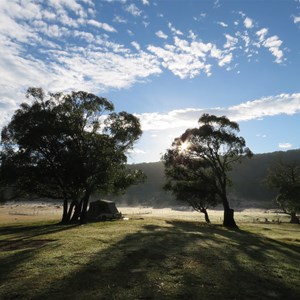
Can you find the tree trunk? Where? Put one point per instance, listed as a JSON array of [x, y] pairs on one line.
[[64, 219], [71, 208], [207, 220], [228, 220], [85, 202], [67, 213], [294, 218], [77, 211]]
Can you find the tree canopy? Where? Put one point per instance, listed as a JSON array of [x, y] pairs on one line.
[[202, 158], [189, 179], [285, 179], [69, 146]]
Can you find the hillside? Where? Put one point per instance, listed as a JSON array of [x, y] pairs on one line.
[[247, 190]]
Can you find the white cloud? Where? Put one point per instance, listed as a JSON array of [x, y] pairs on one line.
[[230, 41], [84, 35], [268, 106], [111, 1], [98, 64], [174, 30], [296, 19], [78, 69], [217, 4], [182, 58], [70, 4], [105, 70], [225, 60], [146, 24], [288, 104], [262, 34], [133, 9], [145, 2], [192, 35], [136, 151], [136, 45], [200, 17], [130, 32], [248, 23], [273, 44], [261, 135], [285, 145], [57, 64], [161, 35], [174, 119], [188, 59], [119, 19], [222, 24], [103, 26]]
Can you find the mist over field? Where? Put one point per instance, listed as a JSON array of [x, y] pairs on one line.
[[248, 189]]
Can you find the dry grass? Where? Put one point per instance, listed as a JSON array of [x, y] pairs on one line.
[[20, 212]]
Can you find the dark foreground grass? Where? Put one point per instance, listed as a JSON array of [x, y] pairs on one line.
[[149, 259]]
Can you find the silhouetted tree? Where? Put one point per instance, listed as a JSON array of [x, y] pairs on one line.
[[285, 179], [69, 146], [189, 179], [216, 147]]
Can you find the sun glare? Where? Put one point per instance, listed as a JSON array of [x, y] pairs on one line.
[[184, 146]]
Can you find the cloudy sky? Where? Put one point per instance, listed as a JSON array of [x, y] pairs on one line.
[[167, 61]]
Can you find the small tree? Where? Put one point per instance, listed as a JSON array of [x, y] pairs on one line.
[[189, 179], [69, 146], [285, 179], [213, 147]]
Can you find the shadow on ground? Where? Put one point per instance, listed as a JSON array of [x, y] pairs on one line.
[[184, 260]]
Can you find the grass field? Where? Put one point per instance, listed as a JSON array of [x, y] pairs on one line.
[[148, 257]]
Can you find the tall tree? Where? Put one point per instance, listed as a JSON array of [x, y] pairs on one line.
[[216, 147], [285, 179], [69, 146]]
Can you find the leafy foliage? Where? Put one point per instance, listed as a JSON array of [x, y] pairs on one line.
[[189, 179], [285, 178], [200, 159], [68, 146]]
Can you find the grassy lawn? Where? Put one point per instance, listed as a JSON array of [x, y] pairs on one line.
[[150, 258]]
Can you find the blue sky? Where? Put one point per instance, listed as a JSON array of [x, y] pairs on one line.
[[167, 61]]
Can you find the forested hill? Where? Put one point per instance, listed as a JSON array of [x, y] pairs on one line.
[[247, 189]]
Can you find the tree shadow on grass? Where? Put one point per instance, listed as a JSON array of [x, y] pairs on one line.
[[185, 260], [20, 244], [30, 231]]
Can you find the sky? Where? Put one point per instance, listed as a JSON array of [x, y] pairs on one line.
[[166, 61]]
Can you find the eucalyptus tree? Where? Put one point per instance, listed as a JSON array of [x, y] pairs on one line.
[[68, 146], [189, 179], [285, 179], [210, 150]]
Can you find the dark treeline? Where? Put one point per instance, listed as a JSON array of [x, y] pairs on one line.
[[247, 190]]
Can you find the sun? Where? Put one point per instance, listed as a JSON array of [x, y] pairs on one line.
[[184, 146]]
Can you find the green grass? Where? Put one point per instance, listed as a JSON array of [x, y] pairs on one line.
[[149, 259]]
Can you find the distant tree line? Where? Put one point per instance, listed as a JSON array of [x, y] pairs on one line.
[[249, 188]]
